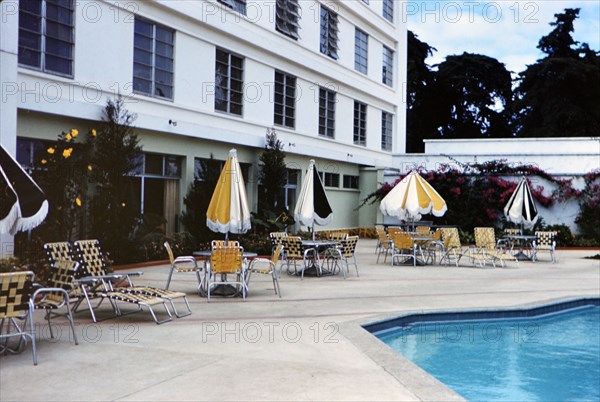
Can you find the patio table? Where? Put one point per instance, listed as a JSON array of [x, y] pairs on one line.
[[221, 290], [316, 266], [525, 242]]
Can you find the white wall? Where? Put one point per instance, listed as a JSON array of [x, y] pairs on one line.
[[562, 157]]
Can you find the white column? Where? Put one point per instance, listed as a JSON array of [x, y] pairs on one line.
[[9, 41]]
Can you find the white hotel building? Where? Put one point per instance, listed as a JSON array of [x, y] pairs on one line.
[[204, 76]]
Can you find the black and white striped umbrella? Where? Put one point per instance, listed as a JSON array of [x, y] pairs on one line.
[[520, 208], [313, 205], [23, 205]]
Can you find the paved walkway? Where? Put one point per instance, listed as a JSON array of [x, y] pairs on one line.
[[305, 346]]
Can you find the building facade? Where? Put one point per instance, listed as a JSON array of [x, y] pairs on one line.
[[207, 76]]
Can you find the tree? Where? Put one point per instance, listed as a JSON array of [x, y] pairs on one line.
[[62, 171], [472, 92], [420, 80], [559, 94], [273, 172], [115, 156], [198, 197], [272, 214]]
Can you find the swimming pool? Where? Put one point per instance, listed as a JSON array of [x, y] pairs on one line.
[[547, 353]]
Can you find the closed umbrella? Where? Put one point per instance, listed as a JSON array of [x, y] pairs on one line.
[[411, 198], [23, 205], [520, 208], [313, 205], [228, 210]]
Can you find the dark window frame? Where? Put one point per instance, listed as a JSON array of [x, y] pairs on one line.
[[388, 10], [361, 51], [327, 101], [159, 61], [360, 123], [387, 130], [330, 179], [235, 5], [52, 26], [329, 33], [284, 102], [287, 17], [387, 66], [229, 96], [351, 182]]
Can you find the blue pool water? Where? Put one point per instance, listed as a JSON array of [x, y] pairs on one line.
[[550, 358]]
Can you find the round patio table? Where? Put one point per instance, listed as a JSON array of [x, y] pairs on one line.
[[222, 290]]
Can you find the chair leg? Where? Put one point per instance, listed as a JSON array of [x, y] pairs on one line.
[[32, 333], [70, 317], [169, 278], [276, 283]]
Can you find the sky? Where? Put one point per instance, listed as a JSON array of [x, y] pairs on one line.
[[506, 30]]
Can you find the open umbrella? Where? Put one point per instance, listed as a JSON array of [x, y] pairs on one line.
[[23, 205], [228, 210], [313, 205], [411, 198], [520, 208]]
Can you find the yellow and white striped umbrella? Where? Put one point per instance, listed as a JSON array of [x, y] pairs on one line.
[[411, 198], [228, 210]]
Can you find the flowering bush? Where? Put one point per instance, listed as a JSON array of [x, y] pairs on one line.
[[477, 194], [588, 218]]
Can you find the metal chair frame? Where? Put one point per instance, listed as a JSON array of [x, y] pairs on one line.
[[270, 270], [16, 309], [184, 263]]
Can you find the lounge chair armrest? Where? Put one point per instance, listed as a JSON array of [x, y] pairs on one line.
[[256, 261], [184, 258], [49, 290]]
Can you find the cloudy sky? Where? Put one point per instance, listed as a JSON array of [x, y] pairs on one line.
[[506, 30]]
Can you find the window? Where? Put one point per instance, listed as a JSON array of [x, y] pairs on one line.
[[350, 181], [229, 80], [330, 179], [30, 152], [159, 165], [285, 100], [153, 59], [386, 131], [46, 35], [388, 10], [326, 112], [237, 5], [360, 123], [329, 33], [287, 14], [361, 51], [205, 168], [388, 67]]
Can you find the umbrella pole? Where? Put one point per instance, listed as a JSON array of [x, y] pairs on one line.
[[313, 231]]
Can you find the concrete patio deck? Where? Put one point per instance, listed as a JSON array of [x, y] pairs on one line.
[[305, 346]]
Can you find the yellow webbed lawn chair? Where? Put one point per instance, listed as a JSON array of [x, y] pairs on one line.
[[183, 263], [487, 250], [223, 261], [267, 267], [16, 308], [384, 243], [294, 252], [338, 236], [120, 288], [57, 293], [452, 248], [545, 241], [404, 247], [343, 255]]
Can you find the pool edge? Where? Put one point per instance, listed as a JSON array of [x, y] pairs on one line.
[[423, 385]]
